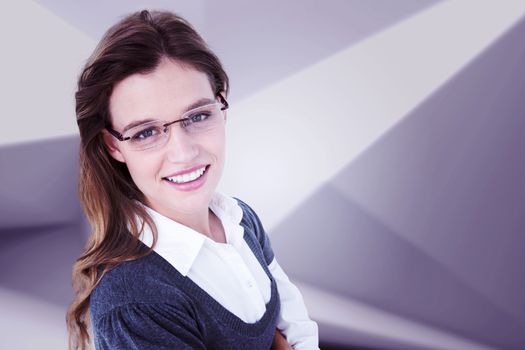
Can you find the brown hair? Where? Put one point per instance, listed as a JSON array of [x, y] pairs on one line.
[[108, 195]]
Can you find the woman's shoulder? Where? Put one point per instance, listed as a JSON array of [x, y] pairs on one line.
[[135, 282], [254, 227], [249, 217]]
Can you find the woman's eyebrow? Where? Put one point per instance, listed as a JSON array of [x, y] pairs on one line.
[[136, 123], [200, 102]]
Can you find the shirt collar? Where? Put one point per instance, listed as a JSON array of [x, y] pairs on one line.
[[180, 245]]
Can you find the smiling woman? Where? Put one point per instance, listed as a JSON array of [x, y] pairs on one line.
[[171, 263]]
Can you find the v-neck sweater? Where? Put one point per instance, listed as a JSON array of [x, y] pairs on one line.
[[148, 304]]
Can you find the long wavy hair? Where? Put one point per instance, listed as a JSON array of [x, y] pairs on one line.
[[108, 195]]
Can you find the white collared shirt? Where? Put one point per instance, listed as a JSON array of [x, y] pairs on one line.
[[231, 273]]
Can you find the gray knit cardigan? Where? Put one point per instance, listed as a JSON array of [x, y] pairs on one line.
[[147, 304]]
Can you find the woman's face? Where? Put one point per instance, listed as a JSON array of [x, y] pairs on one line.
[[165, 94]]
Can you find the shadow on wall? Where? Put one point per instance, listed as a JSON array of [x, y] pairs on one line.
[[41, 223], [42, 230]]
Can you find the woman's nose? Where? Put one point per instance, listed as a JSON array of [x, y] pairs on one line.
[[181, 147]]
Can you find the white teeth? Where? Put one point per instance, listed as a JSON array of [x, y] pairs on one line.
[[187, 177]]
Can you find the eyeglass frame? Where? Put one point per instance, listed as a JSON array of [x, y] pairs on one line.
[[120, 137]]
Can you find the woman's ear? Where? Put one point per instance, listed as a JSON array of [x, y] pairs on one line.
[[111, 144]]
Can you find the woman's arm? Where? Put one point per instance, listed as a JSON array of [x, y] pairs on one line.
[[279, 342], [301, 332]]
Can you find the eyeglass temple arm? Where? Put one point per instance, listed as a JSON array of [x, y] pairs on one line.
[[223, 101], [115, 133]]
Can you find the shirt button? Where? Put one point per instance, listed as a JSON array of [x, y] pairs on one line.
[[250, 284]]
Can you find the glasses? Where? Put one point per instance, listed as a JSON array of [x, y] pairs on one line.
[[156, 133]]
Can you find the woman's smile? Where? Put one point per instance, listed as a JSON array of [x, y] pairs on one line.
[[189, 181], [186, 175]]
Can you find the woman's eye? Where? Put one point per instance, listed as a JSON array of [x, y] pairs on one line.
[[195, 119], [144, 134], [199, 117]]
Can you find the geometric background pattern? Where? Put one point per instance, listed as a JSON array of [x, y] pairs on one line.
[[380, 143]]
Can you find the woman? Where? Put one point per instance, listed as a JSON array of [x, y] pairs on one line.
[[171, 263]]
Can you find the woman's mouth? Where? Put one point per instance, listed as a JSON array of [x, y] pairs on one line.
[[189, 181]]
